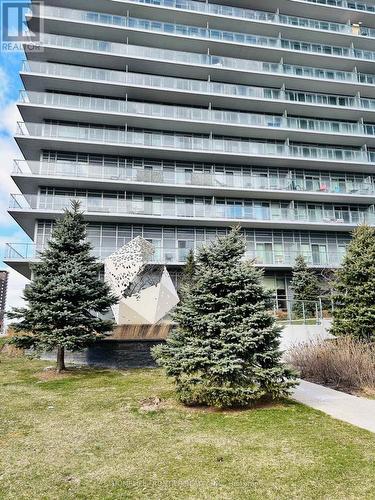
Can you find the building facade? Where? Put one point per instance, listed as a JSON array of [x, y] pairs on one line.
[[175, 119]]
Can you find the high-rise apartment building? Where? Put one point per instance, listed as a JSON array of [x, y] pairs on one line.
[[3, 297], [175, 119]]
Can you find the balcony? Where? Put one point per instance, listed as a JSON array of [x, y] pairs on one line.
[[344, 4], [79, 78], [226, 12], [337, 11], [226, 42], [329, 10], [166, 117], [179, 63], [19, 255], [303, 186], [241, 14], [32, 137], [197, 211]]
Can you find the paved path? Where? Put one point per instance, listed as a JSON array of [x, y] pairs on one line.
[[352, 409]]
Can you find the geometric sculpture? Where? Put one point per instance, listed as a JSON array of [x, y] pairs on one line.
[[123, 265], [146, 293]]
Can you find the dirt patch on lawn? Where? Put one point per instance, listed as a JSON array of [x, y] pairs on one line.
[[51, 374], [154, 404]]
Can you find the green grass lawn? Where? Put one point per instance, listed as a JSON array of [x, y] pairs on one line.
[[99, 435]]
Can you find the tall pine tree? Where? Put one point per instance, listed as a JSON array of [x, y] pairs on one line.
[[65, 294], [225, 349], [306, 289], [354, 288]]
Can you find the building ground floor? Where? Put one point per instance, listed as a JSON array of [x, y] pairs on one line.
[[273, 250]]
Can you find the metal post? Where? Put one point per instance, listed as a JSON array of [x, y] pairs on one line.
[[289, 311], [303, 312], [321, 308]]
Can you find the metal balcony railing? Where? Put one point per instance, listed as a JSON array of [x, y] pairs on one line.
[[196, 59], [31, 251], [181, 113], [232, 180], [230, 211], [208, 34], [199, 143], [306, 312], [167, 83]]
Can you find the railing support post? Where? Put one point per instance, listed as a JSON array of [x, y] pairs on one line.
[[303, 312], [289, 307], [320, 309]]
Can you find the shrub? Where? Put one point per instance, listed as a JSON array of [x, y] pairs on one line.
[[6, 347], [281, 315], [343, 363]]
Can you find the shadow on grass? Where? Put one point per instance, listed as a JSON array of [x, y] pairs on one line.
[[75, 378]]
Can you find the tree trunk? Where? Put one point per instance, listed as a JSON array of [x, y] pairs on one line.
[[60, 366]]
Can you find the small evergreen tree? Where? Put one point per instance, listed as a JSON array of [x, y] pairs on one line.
[[225, 349], [354, 288], [189, 269], [306, 289], [65, 294]]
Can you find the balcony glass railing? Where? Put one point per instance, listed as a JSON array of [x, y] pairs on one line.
[[281, 257], [232, 180], [196, 86], [231, 211], [174, 141], [257, 15], [151, 110], [344, 4], [195, 114], [212, 61], [209, 34]]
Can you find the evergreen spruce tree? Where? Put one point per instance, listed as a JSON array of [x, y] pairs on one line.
[[354, 288], [65, 294], [189, 269], [306, 289], [224, 351]]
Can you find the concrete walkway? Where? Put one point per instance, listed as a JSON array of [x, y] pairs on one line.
[[352, 409]]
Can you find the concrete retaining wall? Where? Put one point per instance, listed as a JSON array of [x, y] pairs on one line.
[[295, 334]]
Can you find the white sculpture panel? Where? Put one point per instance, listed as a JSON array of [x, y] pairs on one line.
[[125, 272], [123, 265]]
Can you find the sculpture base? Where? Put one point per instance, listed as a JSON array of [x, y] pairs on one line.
[[159, 331]]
